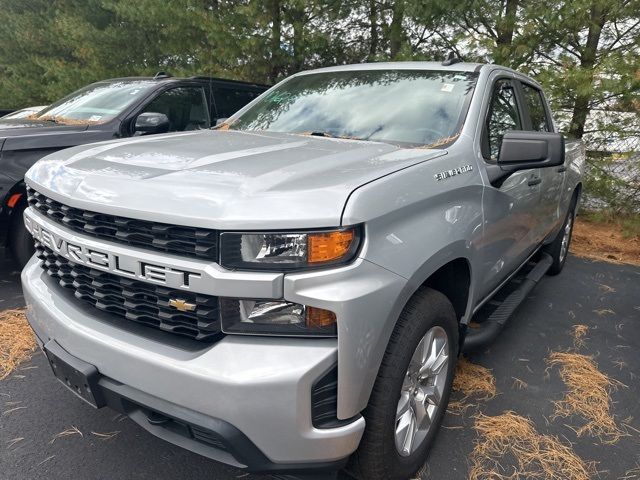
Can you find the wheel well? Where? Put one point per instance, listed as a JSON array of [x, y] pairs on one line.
[[8, 213], [453, 281]]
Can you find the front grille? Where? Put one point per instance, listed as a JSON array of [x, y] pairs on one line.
[[182, 428], [140, 302], [179, 240]]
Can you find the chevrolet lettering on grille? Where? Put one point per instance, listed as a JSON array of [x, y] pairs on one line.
[[110, 262]]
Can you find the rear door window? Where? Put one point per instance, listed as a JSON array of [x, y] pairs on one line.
[[535, 106], [186, 108], [229, 100]]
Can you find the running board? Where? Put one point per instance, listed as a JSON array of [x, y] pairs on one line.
[[518, 289]]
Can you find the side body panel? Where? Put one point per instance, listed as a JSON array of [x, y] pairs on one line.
[[553, 179], [575, 160], [414, 224], [512, 210]]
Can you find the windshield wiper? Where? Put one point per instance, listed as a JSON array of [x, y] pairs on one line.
[[48, 118], [320, 133], [375, 130]]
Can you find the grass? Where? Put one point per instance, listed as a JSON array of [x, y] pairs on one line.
[[16, 341]]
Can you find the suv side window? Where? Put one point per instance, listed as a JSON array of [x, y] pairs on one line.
[[186, 108], [229, 101], [535, 105], [503, 116]]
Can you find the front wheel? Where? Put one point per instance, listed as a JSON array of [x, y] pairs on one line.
[[20, 241], [411, 392]]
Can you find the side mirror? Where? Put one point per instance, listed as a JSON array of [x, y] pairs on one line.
[[522, 150], [152, 122], [221, 120]]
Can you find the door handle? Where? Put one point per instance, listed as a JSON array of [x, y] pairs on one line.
[[534, 181], [562, 169]]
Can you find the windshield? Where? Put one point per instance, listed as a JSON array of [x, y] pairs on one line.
[[396, 106], [95, 103]]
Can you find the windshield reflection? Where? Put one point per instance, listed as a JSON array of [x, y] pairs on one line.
[[414, 107], [97, 103]]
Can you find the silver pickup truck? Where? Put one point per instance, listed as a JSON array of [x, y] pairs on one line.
[[290, 291]]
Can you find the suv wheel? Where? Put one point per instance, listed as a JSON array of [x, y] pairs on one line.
[[411, 392]]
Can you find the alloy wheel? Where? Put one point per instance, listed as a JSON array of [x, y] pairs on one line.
[[422, 390]]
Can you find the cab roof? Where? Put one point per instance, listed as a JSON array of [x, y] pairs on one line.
[[161, 78], [455, 67]]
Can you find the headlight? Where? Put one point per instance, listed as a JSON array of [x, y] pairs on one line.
[[275, 317], [288, 251]]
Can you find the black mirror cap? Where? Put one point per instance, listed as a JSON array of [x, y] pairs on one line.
[[152, 122], [522, 150]]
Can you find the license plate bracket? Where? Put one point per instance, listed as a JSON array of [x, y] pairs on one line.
[[78, 376]]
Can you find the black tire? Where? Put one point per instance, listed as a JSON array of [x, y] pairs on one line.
[[555, 248], [377, 457], [20, 240]]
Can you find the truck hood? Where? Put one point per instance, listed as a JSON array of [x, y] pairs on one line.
[[23, 134], [22, 126], [221, 179]]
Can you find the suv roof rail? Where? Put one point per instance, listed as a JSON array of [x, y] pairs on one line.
[[160, 75], [451, 59], [218, 79]]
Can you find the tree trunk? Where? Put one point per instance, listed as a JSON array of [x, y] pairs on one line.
[[274, 12], [373, 22], [587, 63], [297, 21], [396, 32], [504, 29]]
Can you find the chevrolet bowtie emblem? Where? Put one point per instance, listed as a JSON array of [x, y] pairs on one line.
[[182, 305]]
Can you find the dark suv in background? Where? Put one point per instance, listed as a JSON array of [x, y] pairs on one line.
[[116, 108]]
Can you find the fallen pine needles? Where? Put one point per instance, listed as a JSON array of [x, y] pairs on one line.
[[16, 341], [471, 380], [66, 433], [579, 334], [588, 395], [510, 447]]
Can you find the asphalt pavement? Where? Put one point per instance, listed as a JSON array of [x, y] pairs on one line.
[[605, 297]]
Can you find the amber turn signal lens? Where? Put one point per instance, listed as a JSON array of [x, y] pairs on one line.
[[13, 200], [318, 317], [325, 247]]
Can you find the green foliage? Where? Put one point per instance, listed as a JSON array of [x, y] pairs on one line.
[[613, 183]]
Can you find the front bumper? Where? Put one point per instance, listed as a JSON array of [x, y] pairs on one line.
[[365, 297], [257, 388]]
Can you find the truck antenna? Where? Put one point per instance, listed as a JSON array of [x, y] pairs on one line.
[[160, 75], [451, 59]]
